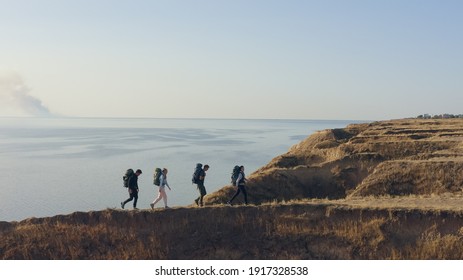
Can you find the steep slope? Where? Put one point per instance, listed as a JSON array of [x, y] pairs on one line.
[[397, 157]]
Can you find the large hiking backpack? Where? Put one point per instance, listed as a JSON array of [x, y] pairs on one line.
[[157, 176], [235, 173], [129, 173], [197, 173]]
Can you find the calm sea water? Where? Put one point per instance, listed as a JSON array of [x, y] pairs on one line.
[[59, 166]]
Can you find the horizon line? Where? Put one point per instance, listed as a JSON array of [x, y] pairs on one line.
[[180, 118]]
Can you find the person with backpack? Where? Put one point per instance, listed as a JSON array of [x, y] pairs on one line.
[[162, 192], [198, 179], [157, 176], [132, 186], [239, 180]]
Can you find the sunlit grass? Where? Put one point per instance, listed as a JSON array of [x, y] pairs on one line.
[[386, 190]]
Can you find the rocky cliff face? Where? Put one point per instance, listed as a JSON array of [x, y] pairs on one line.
[[399, 157]]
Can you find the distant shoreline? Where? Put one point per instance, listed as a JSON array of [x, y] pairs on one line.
[[185, 118]]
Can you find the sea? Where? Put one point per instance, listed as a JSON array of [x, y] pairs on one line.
[[53, 166]]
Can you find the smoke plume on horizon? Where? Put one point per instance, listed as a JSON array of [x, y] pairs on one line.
[[16, 100]]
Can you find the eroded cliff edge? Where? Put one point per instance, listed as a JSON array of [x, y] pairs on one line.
[[395, 158]]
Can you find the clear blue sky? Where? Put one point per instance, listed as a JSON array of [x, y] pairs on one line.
[[231, 59]]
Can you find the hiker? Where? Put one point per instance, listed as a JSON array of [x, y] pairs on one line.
[[133, 189], [241, 184], [199, 176], [162, 192]]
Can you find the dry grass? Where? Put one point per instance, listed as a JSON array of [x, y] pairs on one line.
[[400, 157], [385, 190], [315, 229]]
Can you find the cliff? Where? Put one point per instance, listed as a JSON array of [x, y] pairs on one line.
[[395, 158], [384, 190]]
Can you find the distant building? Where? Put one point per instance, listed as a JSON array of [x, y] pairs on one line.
[[442, 116], [425, 116]]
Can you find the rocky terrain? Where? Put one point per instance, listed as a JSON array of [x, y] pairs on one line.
[[383, 190]]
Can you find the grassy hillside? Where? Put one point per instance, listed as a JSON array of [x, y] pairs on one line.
[[298, 230], [400, 157], [385, 190]]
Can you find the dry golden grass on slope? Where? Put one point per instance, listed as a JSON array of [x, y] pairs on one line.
[[444, 202], [398, 157], [385, 190], [405, 177], [320, 229]]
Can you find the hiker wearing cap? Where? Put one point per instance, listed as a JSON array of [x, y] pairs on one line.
[[133, 189], [162, 192]]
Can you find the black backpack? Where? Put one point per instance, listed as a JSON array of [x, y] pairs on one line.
[[235, 173], [129, 173], [197, 173], [157, 176]]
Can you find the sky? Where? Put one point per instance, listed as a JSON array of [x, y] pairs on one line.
[[265, 59]]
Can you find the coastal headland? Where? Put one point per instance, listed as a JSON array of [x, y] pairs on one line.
[[382, 190]]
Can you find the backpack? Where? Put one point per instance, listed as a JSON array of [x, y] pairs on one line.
[[129, 173], [195, 177], [157, 176], [235, 173]]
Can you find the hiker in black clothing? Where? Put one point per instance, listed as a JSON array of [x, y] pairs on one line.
[[133, 190], [241, 184], [200, 185]]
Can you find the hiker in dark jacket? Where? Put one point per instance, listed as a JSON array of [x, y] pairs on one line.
[[241, 184], [200, 185], [133, 190]]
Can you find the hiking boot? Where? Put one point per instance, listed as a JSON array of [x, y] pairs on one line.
[[122, 205], [135, 208], [152, 206]]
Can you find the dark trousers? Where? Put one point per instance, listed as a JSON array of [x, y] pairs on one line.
[[134, 197], [202, 193], [241, 188]]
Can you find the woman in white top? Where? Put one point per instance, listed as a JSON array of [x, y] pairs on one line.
[[162, 191]]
